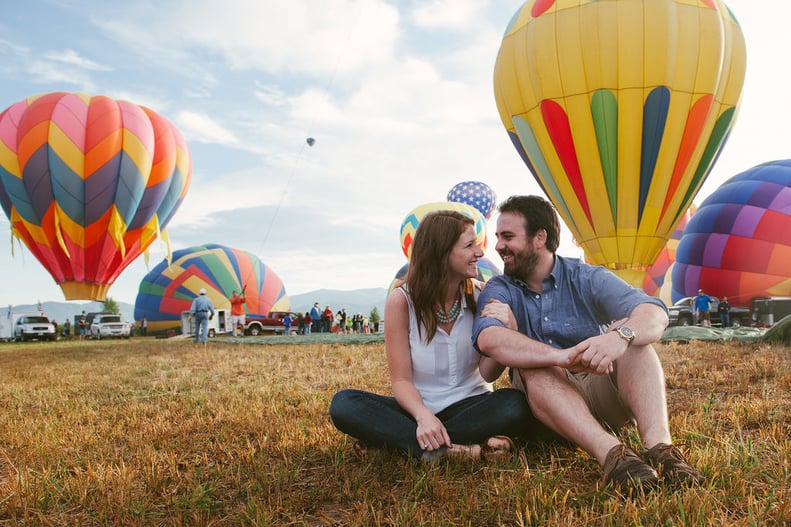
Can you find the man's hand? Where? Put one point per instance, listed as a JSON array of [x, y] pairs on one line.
[[597, 354]]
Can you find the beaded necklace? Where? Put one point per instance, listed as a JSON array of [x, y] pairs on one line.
[[451, 315]]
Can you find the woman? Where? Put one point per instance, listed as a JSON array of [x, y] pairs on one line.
[[442, 404]]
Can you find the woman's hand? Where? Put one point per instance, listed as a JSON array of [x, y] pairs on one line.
[[502, 312], [431, 433]]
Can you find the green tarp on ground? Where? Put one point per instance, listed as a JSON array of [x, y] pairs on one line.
[[781, 332]]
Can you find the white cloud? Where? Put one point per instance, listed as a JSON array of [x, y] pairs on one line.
[[203, 129], [69, 56], [448, 14]]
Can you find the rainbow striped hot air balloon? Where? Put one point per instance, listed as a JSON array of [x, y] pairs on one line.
[[88, 183], [170, 287], [619, 109], [412, 220]]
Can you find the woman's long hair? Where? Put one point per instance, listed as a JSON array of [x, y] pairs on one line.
[[428, 279]]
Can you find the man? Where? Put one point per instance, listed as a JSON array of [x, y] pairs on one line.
[[583, 352], [82, 326], [702, 306], [724, 310], [202, 311], [315, 317], [237, 313]]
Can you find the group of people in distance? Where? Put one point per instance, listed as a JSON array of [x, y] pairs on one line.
[[576, 339]]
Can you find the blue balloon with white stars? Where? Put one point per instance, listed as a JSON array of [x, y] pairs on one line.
[[477, 194]]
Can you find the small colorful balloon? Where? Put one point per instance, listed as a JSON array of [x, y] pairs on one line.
[[412, 220], [476, 194]]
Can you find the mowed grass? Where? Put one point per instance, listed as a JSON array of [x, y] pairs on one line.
[[158, 432]]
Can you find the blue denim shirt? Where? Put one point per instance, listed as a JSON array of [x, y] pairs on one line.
[[578, 301]]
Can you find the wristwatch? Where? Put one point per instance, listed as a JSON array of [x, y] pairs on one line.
[[625, 333]]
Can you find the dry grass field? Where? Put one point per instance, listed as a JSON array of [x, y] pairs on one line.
[[158, 432]]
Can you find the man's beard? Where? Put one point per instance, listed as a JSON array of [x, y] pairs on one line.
[[522, 264]]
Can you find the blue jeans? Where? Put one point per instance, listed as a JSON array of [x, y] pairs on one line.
[[201, 327], [379, 421]]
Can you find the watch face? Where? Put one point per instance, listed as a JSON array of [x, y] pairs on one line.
[[626, 332]]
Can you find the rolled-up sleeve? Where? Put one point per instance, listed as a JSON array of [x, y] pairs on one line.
[[495, 289]]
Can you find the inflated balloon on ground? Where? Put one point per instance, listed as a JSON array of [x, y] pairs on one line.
[[169, 289], [738, 243]]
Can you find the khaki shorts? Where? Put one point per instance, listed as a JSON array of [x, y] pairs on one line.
[[600, 393]]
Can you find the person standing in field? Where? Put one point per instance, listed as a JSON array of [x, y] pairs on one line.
[[82, 326], [583, 351], [441, 404], [202, 311], [702, 306], [315, 317], [724, 309], [237, 313]]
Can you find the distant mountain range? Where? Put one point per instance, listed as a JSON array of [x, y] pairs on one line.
[[357, 301]]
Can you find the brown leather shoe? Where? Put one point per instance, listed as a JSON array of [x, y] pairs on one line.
[[672, 464], [623, 468]]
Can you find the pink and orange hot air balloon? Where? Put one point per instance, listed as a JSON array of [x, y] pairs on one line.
[[619, 109], [88, 183]]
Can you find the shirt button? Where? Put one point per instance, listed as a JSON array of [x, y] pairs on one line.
[[549, 341], [538, 296], [546, 318]]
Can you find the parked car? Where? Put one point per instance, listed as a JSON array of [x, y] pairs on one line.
[[107, 325], [272, 323], [29, 327], [681, 313]]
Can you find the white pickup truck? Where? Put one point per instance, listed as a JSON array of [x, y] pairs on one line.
[[109, 325]]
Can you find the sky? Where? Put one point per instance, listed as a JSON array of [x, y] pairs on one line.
[[396, 93]]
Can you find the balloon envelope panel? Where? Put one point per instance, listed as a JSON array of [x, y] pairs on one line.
[[657, 274], [476, 194], [412, 220], [167, 290], [88, 183], [619, 110], [738, 243]]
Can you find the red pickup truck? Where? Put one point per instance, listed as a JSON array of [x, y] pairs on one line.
[[273, 323]]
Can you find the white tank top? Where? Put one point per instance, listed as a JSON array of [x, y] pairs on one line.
[[445, 371]]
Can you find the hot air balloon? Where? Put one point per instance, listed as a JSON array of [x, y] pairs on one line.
[[88, 183], [738, 243], [310, 141], [170, 288], [657, 274], [412, 220], [477, 194], [619, 110]]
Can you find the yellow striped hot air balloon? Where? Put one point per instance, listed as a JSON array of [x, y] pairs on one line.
[[619, 109]]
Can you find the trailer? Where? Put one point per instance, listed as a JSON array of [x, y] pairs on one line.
[[6, 327], [220, 323], [767, 310]]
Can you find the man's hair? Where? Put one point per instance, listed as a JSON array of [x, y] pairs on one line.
[[538, 214]]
